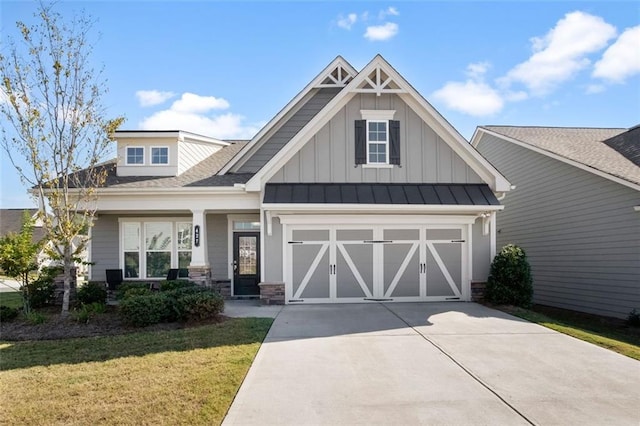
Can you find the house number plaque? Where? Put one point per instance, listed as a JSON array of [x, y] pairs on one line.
[[196, 235]]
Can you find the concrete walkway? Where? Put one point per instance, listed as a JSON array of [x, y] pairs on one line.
[[430, 363]]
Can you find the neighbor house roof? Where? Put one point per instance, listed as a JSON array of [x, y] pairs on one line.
[[607, 150], [380, 193], [201, 175], [11, 221]]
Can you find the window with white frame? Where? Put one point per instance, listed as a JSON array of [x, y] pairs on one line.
[[160, 155], [151, 248], [377, 142], [135, 155]]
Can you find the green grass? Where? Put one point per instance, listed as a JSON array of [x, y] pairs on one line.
[[12, 299], [186, 376], [606, 334]]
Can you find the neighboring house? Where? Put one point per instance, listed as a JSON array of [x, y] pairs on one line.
[[357, 190], [575, 210], [11, 221]]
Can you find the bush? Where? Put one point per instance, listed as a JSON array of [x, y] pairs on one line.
[[35, 318], [88, 311], [7, 313], [510, 280], [122, 289], [199, 306], [40, 292], [92, 292], [136, 291], [634, 318], [176, 284], [140, 311]]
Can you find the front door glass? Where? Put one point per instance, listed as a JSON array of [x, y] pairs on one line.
[[247, 262]]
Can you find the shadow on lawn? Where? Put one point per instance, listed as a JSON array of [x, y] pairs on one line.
[[231, 332]]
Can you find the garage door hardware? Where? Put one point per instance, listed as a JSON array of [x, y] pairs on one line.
[[332, 269], [295, 300], [378, 300], [453, 298], [457, 241], [377, 241], [296, 242]]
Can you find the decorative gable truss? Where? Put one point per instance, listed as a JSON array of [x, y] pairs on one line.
[[339, 76], [378, 82]]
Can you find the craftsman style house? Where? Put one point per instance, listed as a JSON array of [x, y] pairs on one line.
[[357, 190]]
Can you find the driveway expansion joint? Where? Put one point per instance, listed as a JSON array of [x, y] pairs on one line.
[[466, 370]]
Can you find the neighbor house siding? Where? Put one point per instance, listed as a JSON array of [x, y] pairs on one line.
[[104, 246], [287, 130], [217, 240], [580, 231], [329, 156]]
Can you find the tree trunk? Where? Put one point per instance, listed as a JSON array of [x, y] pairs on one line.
[[67, 280]]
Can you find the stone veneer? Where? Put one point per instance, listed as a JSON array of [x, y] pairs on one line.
[[200, 275], [477, 290], [272, 293], [58, 281]]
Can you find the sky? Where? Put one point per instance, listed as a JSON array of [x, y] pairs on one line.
[[225, 68]]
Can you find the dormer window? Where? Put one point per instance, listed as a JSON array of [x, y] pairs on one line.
[[377, 142], [160, 155], [135, 155], [377, 139]]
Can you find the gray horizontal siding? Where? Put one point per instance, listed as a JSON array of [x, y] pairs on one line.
[[218, 248], [104, 246], [288, 130], [580, 231], [329, 156]]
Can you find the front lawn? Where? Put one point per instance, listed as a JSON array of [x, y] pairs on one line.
[[13, 299], [185, 376], [607, 333]]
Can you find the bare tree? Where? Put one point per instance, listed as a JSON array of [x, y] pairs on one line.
[[56, 133]]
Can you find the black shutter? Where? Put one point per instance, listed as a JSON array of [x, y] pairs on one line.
[[361, 141], [394, 142]]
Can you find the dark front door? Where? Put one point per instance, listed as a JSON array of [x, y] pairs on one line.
[[246, 263]]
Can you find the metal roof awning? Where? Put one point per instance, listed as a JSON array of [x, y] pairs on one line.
[[378, 194]]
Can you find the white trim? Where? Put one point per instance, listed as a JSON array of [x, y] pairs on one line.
[[427, 113], [477, 137], [179, 135], [637, 208], [372, 208], [377, 165], [151, 163], [390, 222], [377, 114], [338, 61], [493, 236], [126, 156], [237, 218], [385, 143]]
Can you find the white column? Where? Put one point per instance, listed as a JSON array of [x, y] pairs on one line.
[[199, 252]]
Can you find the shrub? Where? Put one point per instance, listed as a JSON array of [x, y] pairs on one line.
[[35, 318], [92, 292], [88, 311], [40, 292], [7, 313], [136, 291], [176, 284], [634, 318], [510, 278], [199, 306], [140, 311], [128, 285]]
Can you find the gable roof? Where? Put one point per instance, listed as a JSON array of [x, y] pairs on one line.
[[380, 77], [11, 221], [587, 148], [337, 74]]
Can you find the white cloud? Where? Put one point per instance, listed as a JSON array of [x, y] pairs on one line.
[[190, 102], [471, 97], [594, 88], [153, 97], [347, 22], [381, 32], [390, 11], [478, 69], [561, 53], [622, 59], [193, 113]]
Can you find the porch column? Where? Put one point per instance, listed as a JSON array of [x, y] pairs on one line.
[[199, 269]]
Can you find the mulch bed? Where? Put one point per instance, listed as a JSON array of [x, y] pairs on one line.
[[59, 327]]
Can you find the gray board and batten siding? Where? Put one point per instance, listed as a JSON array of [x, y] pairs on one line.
[[580, 230], [330, 154], [288, 130]]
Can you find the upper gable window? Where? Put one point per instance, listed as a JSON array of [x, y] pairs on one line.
[[160, 155], [135, 155], [377, 139]]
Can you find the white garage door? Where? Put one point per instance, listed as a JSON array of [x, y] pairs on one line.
[[331, 264]]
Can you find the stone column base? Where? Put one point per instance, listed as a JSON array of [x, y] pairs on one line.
[[272, 293], [59, 290], [477, 290], [200, 275]]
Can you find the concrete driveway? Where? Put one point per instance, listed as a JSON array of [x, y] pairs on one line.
[[430, 363]]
